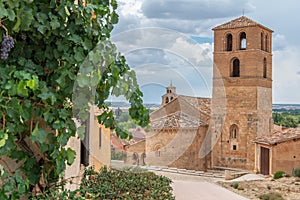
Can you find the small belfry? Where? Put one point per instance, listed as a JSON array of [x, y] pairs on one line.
[[242, 91], [170, 94]]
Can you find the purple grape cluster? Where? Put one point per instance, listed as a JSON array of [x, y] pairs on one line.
[[6, 45]]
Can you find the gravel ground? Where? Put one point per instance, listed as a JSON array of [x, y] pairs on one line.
[[287, 187]]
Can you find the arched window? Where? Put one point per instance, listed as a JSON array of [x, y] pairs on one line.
[[234, 131], [235, 68], [243, 41], [229, 42], [262, 41], [265, 68], [167, 100], [266, 45]]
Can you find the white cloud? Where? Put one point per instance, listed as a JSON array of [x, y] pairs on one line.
[[286, 79], [280, 42], [197, 17], [194, 9]]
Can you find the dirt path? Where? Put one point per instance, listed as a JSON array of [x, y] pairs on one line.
[[189, 187]]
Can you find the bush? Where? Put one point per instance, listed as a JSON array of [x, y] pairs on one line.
[[118, 155], [112, 184], [271, 196], [279, 174], [235, 185], [297, 172]]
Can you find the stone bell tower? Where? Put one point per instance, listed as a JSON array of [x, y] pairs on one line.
[[170, 94], [242, 91]]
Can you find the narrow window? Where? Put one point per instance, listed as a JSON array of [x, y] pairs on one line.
[[235, 68], [157, 153], [234, 147], [167, 100], [171, 98], [85, 144], [266, 45], [243, 41], [262, 41], [100, 137], [265, 68], [229, 42], [233, 131]]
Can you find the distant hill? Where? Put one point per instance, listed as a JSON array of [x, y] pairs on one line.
[[121, 104], [286, 107], [276, 107]]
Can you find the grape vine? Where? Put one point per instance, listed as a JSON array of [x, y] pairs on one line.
[[41, 58], [6, 45]]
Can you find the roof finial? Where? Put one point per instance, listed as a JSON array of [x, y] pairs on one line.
[[243, 12], [171, 83]]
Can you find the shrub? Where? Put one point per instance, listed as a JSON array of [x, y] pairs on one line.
[[271, 196], [279, 174], [118, 155], [297, 172], [113, 184], [235, 185]]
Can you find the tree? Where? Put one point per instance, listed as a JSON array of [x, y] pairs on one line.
[[285, 119], [57, 45]]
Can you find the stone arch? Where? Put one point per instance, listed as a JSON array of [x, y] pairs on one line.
[[267, 43], [235, 68], [265, 68], [167, 99], [229, 42], [243, 41], [233, 132], [262, 41], [156, 149]]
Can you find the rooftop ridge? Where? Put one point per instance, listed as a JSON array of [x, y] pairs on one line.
[[239, 22]]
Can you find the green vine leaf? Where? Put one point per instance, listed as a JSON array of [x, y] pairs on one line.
[[38, 134], [70, 156], [3, 138], [62, 62]]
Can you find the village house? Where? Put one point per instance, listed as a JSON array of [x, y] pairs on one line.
[[94, 150], [278, 151]]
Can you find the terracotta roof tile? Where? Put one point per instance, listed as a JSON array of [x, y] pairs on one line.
[[239, 23], [279, 136], [177, 120]]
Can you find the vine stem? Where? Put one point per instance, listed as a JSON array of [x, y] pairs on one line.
[[1, 25], [3, 116]]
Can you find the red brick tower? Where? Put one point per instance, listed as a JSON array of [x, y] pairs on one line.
[[242, 91]]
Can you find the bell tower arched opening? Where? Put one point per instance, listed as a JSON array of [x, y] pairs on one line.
[[229, 42], [235, 72], [243, 41]]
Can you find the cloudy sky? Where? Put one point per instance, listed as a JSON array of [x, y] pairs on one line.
[[168, 41]]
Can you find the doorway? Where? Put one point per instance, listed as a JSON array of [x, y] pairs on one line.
[[264, 161]]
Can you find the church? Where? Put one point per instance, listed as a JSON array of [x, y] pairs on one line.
[[232, 129]]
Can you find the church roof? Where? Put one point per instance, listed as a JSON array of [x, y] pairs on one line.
[[177, 120], [239, 23], [198, 103], [279, 136]]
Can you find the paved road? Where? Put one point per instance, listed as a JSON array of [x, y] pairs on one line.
[[190, 190]]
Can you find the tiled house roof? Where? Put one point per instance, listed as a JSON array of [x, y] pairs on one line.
[[177, 120], [203, 105], [279, 136], [239, 23]]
